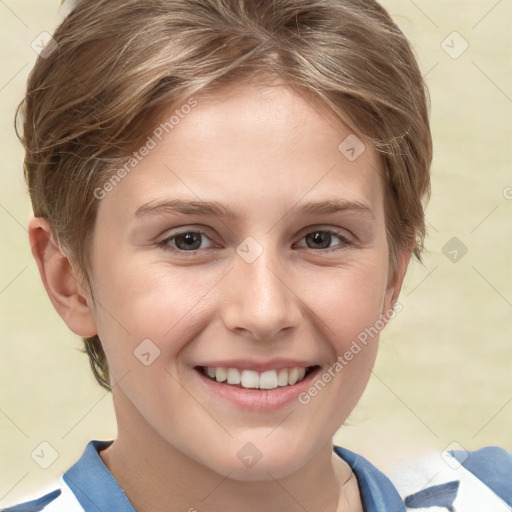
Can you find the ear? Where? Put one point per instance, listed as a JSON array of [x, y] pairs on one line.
[[396, 279], [71, 300]]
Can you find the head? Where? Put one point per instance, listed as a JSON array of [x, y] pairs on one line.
[[266, 108]]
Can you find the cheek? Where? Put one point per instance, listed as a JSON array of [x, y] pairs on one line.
[[139, 302], [348, 299], [350, 313]]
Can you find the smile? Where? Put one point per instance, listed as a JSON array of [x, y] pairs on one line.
[[250, 379]]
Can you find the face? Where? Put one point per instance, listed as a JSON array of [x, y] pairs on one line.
[[244, 239]]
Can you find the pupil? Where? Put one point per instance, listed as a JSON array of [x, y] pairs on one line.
[[317, 238], [190, 240]]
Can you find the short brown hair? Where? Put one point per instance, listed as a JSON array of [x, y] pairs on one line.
[[118, 63]]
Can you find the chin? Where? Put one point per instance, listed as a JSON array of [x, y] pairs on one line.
[[269, 468], [249, 462]]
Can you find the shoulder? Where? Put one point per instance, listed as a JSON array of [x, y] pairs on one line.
[[378, 493], [56, 498], [86, 482], [456, 480], [453, 480]]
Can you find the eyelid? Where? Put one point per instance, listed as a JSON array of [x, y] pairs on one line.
[[341, 232], [165, 245], [338, 232], [346, 240]]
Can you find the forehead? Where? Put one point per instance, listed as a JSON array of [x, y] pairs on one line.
[[249, 143]]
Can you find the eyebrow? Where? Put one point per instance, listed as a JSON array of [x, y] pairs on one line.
[[186, 207], [334, 206], [214, 208]]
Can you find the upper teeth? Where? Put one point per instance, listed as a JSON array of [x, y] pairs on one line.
[[269, 379]]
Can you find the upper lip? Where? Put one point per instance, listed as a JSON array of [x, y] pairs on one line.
[[258, 366]]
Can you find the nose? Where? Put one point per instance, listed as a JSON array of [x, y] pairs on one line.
[[261, 300]]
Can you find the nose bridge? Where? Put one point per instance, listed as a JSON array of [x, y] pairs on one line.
[[261, 302]]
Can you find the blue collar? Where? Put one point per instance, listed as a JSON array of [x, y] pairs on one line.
[[378, 494], [97, 490], [93, 484]]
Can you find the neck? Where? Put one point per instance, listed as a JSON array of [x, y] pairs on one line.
[[156, 477]]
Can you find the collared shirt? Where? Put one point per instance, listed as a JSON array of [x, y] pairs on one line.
[[88, 485]]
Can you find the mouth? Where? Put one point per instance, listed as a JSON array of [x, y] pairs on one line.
[[250, 379]]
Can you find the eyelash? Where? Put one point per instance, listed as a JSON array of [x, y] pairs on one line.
[[164, 244]]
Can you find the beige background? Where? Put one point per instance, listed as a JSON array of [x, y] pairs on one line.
[[444, 370]]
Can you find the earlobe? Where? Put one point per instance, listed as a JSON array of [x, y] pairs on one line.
[[59, 279]]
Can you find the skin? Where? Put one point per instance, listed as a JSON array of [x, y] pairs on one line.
[[261, 151]]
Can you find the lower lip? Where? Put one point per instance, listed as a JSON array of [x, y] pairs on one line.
[[259, 400]]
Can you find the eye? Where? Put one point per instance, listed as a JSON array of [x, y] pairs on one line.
[[193, 241], [187, 241], [321, 239]]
